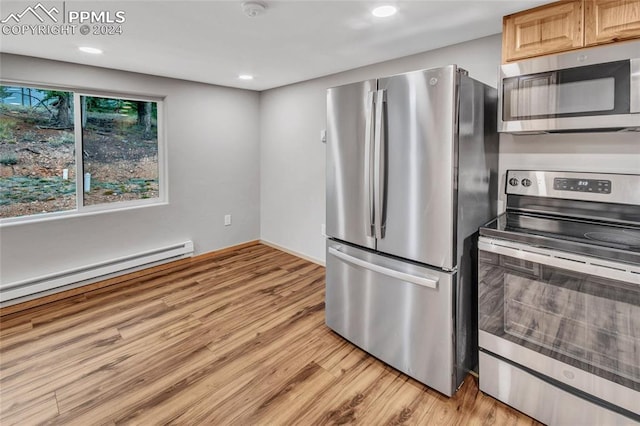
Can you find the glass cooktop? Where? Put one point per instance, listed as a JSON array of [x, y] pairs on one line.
[[590, 238]]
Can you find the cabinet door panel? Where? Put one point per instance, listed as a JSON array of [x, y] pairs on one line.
[[607, 21], [547, 29]]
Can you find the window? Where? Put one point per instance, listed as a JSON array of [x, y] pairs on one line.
[[61, 151], [120, 149], [37, 151]]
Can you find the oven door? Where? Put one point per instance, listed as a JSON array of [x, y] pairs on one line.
[[572, 319]]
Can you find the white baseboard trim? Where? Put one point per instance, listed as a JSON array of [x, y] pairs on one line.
[[294, 253], [15, 292]]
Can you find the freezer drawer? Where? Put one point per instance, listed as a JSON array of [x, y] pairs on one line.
[[399, 312]]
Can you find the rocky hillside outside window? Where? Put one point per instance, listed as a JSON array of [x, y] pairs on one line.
[[63, 152]]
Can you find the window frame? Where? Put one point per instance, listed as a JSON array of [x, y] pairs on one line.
[[90, 210]]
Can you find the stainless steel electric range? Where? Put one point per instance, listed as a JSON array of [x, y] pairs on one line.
[[559, 298]]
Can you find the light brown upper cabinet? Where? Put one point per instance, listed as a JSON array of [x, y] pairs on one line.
[[568, 25], [611, 20], [546, 29]]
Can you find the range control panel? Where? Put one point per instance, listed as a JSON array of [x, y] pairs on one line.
[[582, 185], [602, 187]]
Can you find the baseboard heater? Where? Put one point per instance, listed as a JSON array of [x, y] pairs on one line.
[[94, 272]]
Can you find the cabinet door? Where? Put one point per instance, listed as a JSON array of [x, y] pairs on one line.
[[547, 29], [611, 20]]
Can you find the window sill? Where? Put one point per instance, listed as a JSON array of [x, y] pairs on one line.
[[86, 211]]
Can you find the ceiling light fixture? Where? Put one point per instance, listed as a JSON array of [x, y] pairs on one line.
[[92, 50], [245, 77], [384, 11]]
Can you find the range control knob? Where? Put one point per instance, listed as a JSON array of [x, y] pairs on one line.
[[526, 182], [513, 182]]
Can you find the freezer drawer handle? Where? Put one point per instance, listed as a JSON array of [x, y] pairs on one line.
[[423, 281]]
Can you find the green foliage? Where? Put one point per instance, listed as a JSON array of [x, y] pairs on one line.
[[6, 131], [4, 93], [29, 137], [28, 115], [65, 138], [130, 186], [118, 106], [54, 95], [111, 106], [25, 189], [8, 159]]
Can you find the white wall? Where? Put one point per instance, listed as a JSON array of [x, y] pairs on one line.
[[293, 159], [213, 155], [256, 156], [584, 152]]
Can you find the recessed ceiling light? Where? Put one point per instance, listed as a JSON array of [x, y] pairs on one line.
[[245, 77], [92, 50], [384, 11]]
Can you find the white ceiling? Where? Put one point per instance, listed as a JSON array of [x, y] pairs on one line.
[[213, 41]]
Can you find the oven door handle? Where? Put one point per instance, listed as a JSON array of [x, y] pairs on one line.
[[572, 262]]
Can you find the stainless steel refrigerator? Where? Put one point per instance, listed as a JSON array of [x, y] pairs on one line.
[[411, 174]]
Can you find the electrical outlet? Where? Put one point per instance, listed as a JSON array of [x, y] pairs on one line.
[[227, 220], [323, 230]]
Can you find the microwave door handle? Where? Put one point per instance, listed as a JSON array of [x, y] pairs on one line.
[[379, 163], [368, 163], [634, 102]]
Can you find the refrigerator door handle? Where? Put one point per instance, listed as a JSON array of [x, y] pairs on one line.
[[368, 153], [379, 164], [423, 281]]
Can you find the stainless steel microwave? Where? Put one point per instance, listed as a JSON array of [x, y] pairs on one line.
[[596, 89]]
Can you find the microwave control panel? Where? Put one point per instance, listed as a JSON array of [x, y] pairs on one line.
[[582, 185]]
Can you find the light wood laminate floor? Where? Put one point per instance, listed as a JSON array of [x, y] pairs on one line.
[[235, 339]]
